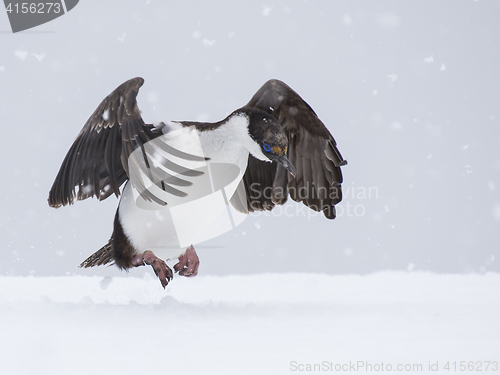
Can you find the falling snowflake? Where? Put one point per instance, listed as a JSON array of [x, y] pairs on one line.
[[267, 10], [208, 43], [39, 57], [347, 19], [21, 54], [392, 77], [429, 59], [121, 39]]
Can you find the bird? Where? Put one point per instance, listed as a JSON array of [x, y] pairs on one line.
[[276, 144]]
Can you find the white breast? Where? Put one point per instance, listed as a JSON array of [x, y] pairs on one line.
[[168, 230]]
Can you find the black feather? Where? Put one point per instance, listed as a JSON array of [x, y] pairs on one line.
[[311, 150]]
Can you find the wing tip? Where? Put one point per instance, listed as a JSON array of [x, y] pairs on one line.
[[330, 212], [342, 163], [139, 80]]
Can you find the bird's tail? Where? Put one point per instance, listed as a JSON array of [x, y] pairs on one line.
[[101, 257]]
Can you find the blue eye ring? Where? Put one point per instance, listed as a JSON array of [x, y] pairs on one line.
[[266, 147]]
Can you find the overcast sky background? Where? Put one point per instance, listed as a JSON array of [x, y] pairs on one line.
[[409, 89]]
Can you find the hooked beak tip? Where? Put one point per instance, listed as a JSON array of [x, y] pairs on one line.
[[289, 166], [283, 160]]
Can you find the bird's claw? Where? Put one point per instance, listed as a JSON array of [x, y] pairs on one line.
[[161, 269], [188, 263]]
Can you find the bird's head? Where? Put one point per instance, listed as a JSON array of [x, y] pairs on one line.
[[270, 142]]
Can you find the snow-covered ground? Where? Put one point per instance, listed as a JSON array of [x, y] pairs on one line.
[[258, 324], [410, 92]]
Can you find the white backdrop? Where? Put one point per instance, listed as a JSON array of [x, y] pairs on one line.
[[410, 90]]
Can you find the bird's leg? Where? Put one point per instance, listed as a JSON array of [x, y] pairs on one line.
[[188, 263], [161, 269]]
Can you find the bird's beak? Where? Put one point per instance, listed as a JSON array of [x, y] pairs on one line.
[[283, 160]]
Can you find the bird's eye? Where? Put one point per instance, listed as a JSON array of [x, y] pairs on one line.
[[266, 147]]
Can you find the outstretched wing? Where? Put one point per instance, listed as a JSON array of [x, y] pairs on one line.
[[311, 149], [97, 162]]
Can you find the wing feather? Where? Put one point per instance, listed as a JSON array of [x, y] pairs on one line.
[[311, 149], [97, 162]]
